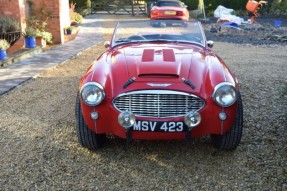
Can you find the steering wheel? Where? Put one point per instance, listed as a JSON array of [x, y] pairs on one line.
[[136, 37]]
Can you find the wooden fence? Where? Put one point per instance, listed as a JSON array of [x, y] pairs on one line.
[[132, 7]]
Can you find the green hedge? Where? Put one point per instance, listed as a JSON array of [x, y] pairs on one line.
[[82, 6], [191, 4], [273, 6], [279, 7], [211, 5]]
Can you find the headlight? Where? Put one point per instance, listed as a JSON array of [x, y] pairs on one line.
[[92, 93], [224, 94]]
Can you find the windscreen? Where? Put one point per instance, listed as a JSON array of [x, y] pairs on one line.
[[172, 31]]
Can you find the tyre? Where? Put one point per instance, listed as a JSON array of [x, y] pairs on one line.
[[86, 137], [231, 139]]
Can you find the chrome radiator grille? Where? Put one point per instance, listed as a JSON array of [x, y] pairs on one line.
[[158, 103]]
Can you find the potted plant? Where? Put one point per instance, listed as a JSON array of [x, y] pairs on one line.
[[30, 37], [69, 30], [47, 36], [42, 38], [4, 45]]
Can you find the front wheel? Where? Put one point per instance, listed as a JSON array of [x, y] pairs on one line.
[[86, 137], [231, 139]]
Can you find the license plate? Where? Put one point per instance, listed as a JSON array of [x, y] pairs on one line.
[[159, 126], [170, 12]]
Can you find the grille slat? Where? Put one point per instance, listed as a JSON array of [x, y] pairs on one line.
[[161, 103]]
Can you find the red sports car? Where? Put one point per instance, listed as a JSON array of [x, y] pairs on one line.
[[169, 9], [159, 79]]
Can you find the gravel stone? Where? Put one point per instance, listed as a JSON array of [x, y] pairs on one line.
[[262, 33], [39, 148]]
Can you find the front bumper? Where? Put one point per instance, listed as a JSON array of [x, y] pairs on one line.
[[107, 122]]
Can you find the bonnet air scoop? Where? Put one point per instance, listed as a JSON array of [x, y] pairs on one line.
[[162, 63], [168, 55]]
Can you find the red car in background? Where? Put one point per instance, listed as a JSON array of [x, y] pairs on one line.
[[159, 79], [169, 9]]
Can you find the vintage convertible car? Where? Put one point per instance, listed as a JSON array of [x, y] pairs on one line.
[[169, 9], [159, 80]]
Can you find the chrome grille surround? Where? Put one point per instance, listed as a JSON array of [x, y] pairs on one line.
[[158, 103]]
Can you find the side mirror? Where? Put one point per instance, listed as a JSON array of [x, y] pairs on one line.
[[107, 44], [210, 43]]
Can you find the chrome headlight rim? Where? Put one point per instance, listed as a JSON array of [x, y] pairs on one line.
[[126, 119], [219, 87], [99, 87]]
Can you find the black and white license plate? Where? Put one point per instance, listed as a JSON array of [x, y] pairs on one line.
[[159, 126]]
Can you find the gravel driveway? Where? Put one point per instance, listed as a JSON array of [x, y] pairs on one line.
[[39, 148]]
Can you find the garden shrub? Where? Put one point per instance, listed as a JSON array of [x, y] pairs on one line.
[[279, 7], [83, 7], [8, 24], [76, 17], [235, 4], [191, 4], [272, 6]]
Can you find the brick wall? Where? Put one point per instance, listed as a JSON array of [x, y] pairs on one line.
[[14, 9], [59, 19], [9, 8]]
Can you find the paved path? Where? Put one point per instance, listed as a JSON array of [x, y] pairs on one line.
[[89, 35]]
